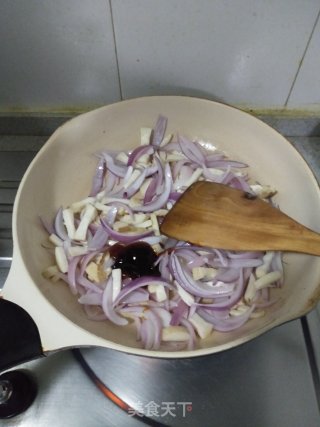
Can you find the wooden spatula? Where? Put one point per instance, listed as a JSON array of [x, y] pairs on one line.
[[218, 216]]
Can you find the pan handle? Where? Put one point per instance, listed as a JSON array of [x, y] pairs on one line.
[[19, 336]]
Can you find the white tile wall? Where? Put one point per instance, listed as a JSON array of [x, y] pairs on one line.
[[306, 91], [61, 54], [56, 54], [241, 52]]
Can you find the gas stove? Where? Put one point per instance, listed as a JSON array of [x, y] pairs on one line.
[[270, 381]]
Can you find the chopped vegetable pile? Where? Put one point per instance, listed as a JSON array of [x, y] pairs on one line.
[[109, 251]]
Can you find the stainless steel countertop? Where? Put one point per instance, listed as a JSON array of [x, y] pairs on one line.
[[271, 381]]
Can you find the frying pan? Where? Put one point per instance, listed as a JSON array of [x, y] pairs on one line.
[[39, 317]]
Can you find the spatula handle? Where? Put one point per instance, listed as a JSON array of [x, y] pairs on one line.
[[215, 215]]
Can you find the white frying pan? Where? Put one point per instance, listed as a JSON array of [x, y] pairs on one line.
[[61, 173]]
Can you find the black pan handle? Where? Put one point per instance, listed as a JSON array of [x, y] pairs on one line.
[[19, 336]]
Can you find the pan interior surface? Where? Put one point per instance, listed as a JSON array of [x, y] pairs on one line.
[[62, 172]]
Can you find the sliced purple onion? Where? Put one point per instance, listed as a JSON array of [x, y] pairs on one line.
[[240, 183], [88, 285], [151, 190], [47, 225], [171, 146], [219, 179], [223, 163], [111, 181], [159, 130], [116, 189], [164, 266], [156, 328], [211, 253], [99, 240], [191, 256], [238, 263], [138, 296], [229, 301], [117, 170], [245, 255], [184, 279], [72, 274], [127, 175], [192, 340], [122, 237], [59, 225], [147, 334], [191, 150], [227, 275], [178, 313], [163, 314], [139, 152], [133, 188], [150, 170], [98, 178], [111, 215], [159, 202], [160, 173], [120, 205], [226, 325], [155, 184], [107, 305], [138, 283], [213, 157]]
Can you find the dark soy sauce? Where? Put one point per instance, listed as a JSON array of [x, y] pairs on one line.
[[135, 259]]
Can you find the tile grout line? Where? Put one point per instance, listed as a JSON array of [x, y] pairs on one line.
[[115, 49], [311, 357], [302, 59]]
